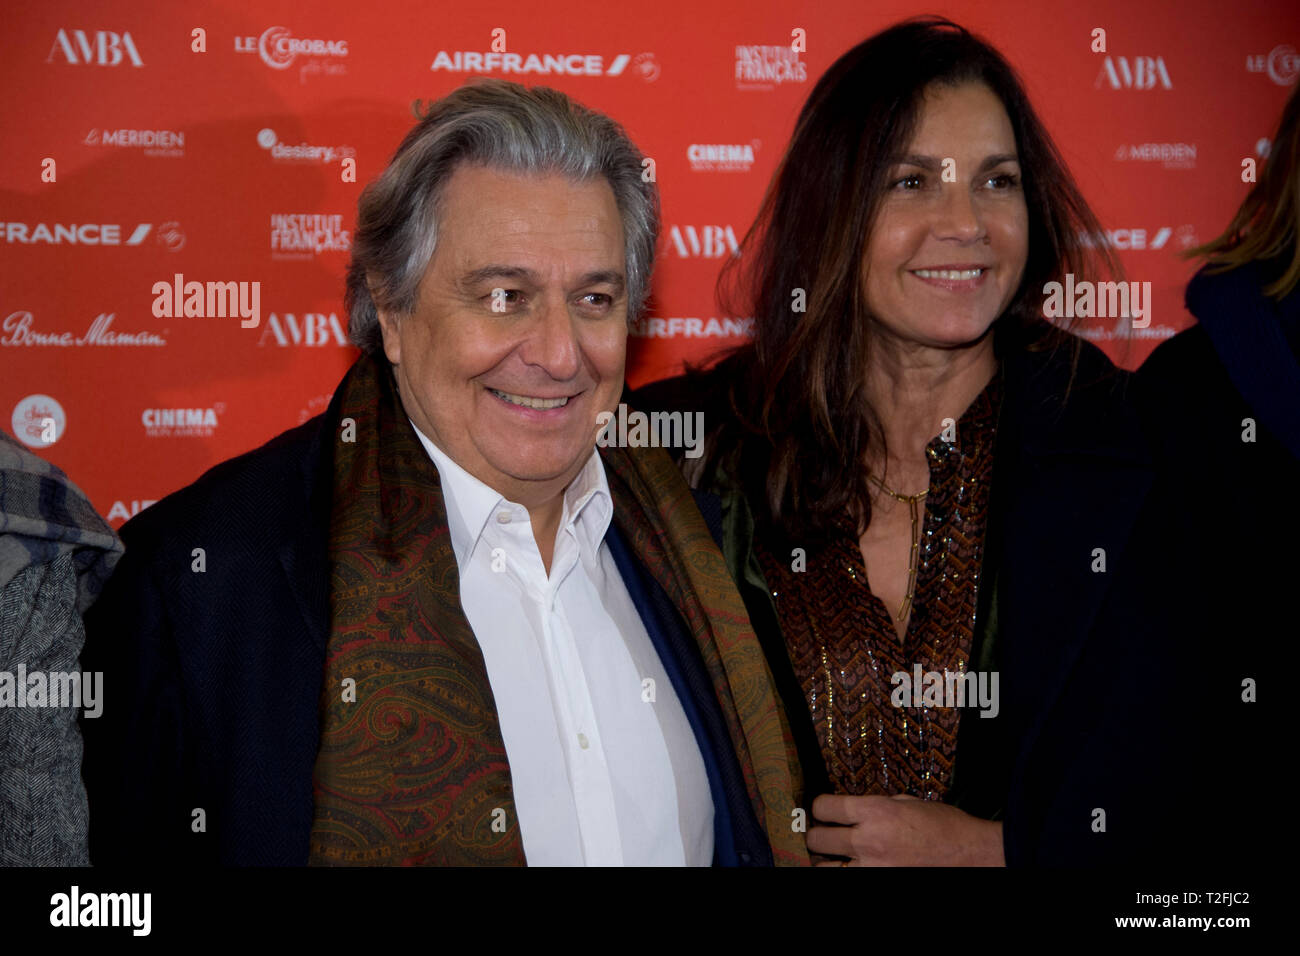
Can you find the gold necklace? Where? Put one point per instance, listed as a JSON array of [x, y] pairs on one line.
[[912, 502]]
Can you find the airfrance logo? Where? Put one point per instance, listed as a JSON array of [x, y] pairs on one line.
[[543, 64], [150, 142], [1139, 239], [101, 48], [692, 328], [72, 234], [75, 908], [120, 511], [303, 152]]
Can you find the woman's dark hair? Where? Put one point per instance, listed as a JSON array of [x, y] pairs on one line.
[[1264, 226], [797, 390]]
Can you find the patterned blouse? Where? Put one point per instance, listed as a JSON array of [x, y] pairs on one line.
[[843, 644]]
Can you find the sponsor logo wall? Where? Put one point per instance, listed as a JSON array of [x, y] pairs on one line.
[[228, 145]]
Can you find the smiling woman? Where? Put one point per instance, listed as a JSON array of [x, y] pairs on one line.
[[919, 475]]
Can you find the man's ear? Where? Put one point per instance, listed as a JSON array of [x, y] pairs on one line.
[[388, 325]]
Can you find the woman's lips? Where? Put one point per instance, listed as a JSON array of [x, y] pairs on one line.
[[952, 279]]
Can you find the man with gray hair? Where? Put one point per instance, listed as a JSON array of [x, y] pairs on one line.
[[438, 624]]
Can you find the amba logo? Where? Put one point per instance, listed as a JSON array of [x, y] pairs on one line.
[[106, 48], [314, 329]]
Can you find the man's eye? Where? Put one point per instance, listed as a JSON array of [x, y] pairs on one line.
[[501, 299], [602, 299]]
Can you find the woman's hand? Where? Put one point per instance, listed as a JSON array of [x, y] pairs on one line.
[[902, 831]]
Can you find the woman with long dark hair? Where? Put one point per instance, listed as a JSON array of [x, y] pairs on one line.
[[925, 490]]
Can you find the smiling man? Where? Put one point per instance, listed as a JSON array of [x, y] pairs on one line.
[[437, 624]]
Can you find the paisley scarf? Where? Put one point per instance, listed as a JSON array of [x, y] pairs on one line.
[[412, 767]]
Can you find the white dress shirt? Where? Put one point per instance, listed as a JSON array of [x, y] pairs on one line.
[[602, 776]]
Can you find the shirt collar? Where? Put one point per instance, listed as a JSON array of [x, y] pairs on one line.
[[588, 506]]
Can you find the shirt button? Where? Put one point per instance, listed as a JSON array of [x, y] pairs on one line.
[[583, 742], [503, 517]]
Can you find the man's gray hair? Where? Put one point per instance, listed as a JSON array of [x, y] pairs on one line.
[[504, 126]]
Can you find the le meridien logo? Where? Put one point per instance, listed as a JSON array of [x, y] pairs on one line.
[[75, 908], [629, 429], [946, 689], [211, 300]]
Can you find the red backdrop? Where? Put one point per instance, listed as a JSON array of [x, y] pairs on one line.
[[129, 157]]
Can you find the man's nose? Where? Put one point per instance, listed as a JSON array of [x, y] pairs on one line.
[[552, 340]]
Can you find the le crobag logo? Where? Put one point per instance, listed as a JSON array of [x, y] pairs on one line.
[[168, 234], [1282, 64], [38, 421], [279, 49], [94, 48]]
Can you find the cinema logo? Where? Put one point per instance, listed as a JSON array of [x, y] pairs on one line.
[[1282, 64], [721, 157], [767, 67], [280, 49], [1087, 300], [18, 331], [168, 143], [544, 64], [168, 234], [35, 689], [629, 429], [307, 235], [181, 422], [692, 328], [38, 421], [303, 152], [208, 300], [75, 908], [946, 689]]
